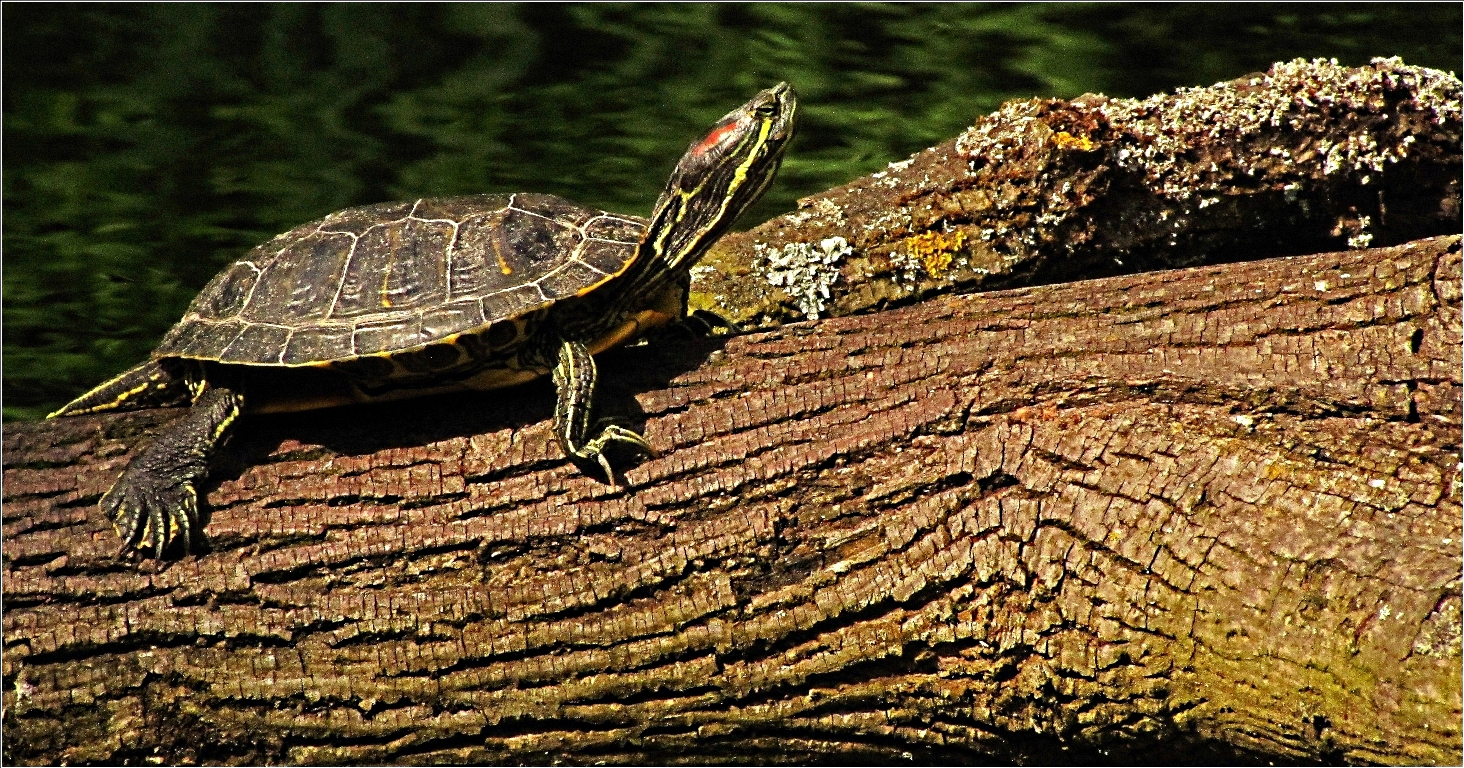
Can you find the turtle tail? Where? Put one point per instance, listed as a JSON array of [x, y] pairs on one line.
[[153, 384]]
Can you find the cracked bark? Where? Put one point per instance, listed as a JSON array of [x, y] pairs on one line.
[[1209, 514]]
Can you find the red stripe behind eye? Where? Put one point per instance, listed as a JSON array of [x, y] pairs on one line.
[[714, 138]]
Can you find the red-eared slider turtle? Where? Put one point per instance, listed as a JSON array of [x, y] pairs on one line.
[[405, 299]]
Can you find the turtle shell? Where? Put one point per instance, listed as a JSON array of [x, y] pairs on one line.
[[394, 277]]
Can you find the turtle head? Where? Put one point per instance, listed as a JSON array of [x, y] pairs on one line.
[[719, 177]]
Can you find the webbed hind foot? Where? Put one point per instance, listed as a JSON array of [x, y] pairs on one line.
[[155, 501]]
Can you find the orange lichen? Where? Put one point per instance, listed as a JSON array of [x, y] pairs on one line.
[[1065, 140], [934, 250]]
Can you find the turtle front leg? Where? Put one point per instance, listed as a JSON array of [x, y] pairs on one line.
[[156, 498], [574, 377]]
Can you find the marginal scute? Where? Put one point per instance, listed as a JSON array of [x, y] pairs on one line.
[[386, 335], [180, 338], [500, 305], [444, 321], [310, 345], [257, 344]]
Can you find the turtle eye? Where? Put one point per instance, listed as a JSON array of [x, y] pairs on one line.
[[765, 109]]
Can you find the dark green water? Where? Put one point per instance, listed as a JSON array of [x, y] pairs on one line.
[[147, 145]]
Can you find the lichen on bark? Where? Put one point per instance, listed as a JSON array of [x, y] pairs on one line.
[[1307, 157]]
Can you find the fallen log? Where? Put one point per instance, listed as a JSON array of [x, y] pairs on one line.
[[1305, 158], [1210, 513]]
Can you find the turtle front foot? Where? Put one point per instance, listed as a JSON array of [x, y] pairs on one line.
[[147, 508], [575, 378], [593, 452]]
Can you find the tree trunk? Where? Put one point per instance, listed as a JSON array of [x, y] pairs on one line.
[[1209, 514]]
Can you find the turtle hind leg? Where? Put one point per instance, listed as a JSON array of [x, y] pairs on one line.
[[153, 384], [574, 378], [155, 501]]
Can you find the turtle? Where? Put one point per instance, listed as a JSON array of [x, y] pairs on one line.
[[406, 299]]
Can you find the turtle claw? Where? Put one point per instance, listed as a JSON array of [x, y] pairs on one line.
[[146, 509], [609, 473], [611, 433]]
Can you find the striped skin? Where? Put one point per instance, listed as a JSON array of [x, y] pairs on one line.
[[407, 299], [151, 384], [574, 377]]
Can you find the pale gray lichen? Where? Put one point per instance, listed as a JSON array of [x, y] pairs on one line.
[[906, 270], [1362, 238], [805, 271], [1287, 96], [1160, 132], [1278, 132], [819, 210]]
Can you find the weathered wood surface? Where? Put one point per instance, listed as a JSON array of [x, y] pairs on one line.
[[1305, 158], [1202, 514]]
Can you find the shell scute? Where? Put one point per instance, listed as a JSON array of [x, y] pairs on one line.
[[457, 209], [448, 319], [474, 268], [499, 305], [226, 294], [525, 246], [609, 258], [300, 282], [573, 280], [257, 343], [386, 335], [560, 211], [616, 228], [396, 266], [184, 337], [312, 344], [356, 221]]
